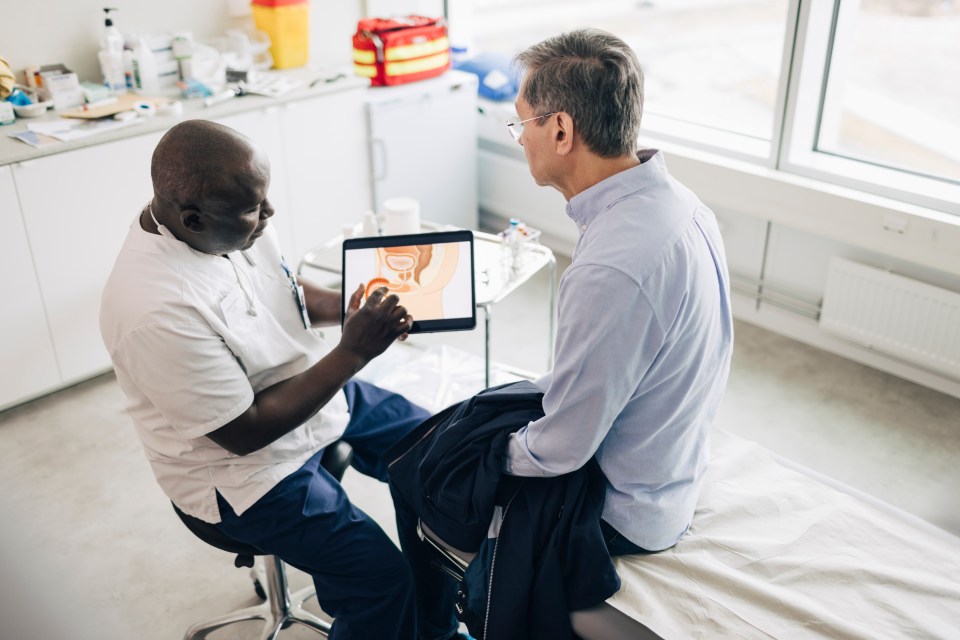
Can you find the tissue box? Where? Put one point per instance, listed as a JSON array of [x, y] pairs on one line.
[[399, 50]]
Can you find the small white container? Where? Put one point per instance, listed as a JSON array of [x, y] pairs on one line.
[[30, 110], [369, 227], [401, 216]]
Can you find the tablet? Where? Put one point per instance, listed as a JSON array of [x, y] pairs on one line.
[[431, 273]]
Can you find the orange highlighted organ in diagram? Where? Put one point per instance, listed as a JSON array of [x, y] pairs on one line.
[[417, 274]]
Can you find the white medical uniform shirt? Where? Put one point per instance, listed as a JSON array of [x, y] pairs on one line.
[[189, 355]]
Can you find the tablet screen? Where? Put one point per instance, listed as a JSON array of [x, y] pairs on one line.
[[431, 273]]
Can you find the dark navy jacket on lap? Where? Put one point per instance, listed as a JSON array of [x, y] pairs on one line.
[[549, 557]]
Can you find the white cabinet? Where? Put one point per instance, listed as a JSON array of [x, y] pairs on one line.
[[77, 207], [328, 170], [29, 367], [423, 145]]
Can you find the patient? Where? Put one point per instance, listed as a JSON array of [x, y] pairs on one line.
[[233, 393], [645, 331]]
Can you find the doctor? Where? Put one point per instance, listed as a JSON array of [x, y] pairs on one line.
[[645, 332], [233, 393]]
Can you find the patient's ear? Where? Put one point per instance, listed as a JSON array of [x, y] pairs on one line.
[[563, 133]]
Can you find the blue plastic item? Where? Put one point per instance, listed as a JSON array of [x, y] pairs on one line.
[[19, 98], [498, 81]]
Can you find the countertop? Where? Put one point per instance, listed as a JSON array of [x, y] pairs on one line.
[[13, 150]]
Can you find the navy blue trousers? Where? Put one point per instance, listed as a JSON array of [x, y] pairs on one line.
[[307, 520]]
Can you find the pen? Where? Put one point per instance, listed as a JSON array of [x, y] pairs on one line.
[[327, 79]]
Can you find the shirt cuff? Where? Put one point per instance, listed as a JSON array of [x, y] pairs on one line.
[[517, 461]]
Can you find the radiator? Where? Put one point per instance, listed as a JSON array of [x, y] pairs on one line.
[[894, 314]]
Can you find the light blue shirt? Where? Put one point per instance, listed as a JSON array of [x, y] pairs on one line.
[[643, 351]]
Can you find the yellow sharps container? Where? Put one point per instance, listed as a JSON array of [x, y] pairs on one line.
[[287, 22]]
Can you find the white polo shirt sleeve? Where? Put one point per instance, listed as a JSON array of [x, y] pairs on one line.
[[187, 373]]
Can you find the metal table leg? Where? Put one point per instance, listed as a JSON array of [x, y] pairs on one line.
[[487, 313]]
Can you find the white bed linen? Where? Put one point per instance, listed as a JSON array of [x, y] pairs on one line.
[[775, 553]]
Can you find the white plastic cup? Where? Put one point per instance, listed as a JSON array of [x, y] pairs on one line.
[[401, 216]]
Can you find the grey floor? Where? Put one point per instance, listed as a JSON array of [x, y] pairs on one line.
[[89, 546]]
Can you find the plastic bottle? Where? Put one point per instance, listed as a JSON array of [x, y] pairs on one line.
[[145, 68], [112, 38], [128, 70], [370, 225], [511, 240], [183, 54], [111, 55]]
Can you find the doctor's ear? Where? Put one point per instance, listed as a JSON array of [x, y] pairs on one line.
[[191, 220]]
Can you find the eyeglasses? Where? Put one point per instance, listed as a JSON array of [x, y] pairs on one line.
[[515, 124]]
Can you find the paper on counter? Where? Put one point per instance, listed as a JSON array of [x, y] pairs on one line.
[[34, 139], [68, 129]]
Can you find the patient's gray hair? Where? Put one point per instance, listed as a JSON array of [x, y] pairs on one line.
[[596, 78]]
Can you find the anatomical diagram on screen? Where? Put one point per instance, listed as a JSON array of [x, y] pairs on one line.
[[431, 280]]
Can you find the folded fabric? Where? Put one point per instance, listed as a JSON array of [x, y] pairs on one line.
[[546, 555]]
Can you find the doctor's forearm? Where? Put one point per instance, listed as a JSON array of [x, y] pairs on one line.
[[323, 305]]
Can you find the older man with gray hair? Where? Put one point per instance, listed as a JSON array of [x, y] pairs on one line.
[[645, 331]]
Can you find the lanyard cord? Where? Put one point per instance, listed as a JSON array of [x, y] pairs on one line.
[[251, 310]]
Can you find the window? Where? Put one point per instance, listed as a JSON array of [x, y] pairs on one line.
[[860, 93], [893, 90], [709, 64]]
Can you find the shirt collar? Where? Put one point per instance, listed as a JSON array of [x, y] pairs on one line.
[[584, 207], [147, 242]]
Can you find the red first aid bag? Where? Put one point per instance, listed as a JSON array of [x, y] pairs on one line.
[[398, 50]]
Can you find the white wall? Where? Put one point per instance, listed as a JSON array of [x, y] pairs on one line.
[[69, 31]]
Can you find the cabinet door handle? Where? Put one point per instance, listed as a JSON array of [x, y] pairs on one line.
[[24, 164], [375, 145]]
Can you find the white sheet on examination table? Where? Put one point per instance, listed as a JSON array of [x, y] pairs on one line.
[[775, 553]]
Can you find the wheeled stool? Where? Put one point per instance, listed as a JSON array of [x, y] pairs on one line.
[[280, 608]]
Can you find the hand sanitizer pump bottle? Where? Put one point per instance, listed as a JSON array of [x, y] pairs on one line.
[[111, 55], [145, 68]]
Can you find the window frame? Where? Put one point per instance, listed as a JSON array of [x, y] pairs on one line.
[[819, 25]]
